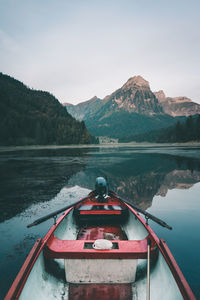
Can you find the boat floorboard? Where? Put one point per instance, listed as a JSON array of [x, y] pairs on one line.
[[101, 232], [122, 291], [96, 291]]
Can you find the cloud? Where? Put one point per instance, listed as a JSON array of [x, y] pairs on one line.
[[9, 48], [79, 49]]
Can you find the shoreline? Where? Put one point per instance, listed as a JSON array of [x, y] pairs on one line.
[[108, 145]]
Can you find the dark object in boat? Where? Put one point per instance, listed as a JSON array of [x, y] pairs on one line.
[[101, 189]]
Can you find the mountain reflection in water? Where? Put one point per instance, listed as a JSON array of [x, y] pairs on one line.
[[139, 177]]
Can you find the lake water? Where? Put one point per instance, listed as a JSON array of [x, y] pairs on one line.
[[163, 180]]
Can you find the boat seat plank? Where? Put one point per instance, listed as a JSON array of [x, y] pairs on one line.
[[90, 209], [75, 249]]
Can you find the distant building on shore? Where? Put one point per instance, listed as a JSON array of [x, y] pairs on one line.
[[107, 140]]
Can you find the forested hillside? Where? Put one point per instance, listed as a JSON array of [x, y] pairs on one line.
[[125, 124], [30, 117], [186, 131]]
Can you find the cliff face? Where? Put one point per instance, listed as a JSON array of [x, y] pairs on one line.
[[177, 106], [135, 96]]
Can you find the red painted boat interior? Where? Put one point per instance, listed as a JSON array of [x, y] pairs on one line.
[[101, 232], [79, 248], [108, 201], [110, 204], [100, 291], [100, 212], [125, 249]]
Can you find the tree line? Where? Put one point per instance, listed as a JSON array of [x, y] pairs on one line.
[[31, 117], [182, 132], [185, 131]]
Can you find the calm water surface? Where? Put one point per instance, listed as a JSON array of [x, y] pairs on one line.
[[164, 181]]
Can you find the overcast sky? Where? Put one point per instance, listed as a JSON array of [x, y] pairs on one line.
[[78, 49]]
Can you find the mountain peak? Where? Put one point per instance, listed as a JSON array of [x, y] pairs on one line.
[[160, 95], [136, 81], [93, 98]]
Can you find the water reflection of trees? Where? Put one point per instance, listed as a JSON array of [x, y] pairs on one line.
[[28, 177]]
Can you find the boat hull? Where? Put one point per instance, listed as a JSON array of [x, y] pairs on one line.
[[65, 264]]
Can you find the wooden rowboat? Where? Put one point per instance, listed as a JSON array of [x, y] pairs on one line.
[[101, 248]]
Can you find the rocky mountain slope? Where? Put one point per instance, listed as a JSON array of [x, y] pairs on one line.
[[134, 96], [177, 106], [132, 109]]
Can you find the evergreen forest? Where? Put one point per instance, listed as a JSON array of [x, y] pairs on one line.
[[31, 117], [185, 131]]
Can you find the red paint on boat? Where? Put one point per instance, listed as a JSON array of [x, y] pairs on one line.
[[17, 285], [57, 248], [100, 212], [108, 201], [100, 292], [178, 275], [91, 207], [101, 232]]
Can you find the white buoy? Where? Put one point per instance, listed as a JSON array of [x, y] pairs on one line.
[[102, 244]]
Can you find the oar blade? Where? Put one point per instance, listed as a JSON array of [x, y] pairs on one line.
[[53, 214], [145, 213]]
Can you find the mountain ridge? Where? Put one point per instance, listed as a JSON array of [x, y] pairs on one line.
[[84, 109], [177, 106], [145, 102], [132, 109]]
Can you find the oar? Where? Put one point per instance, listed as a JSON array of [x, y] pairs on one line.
[[147, 215], [55, 213]]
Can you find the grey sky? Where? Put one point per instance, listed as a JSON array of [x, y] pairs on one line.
[[78, 49]]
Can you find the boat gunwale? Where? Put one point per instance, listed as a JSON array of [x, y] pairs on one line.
[[182, 283], [23, 274], [184, 287], [17, 285]]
